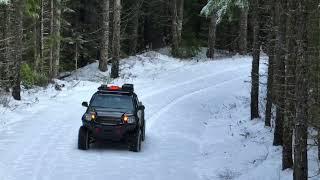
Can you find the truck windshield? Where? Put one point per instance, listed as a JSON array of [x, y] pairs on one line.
[[112, 101]]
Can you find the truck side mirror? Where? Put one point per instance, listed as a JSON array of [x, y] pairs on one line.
[[85, 104], [141, 107]]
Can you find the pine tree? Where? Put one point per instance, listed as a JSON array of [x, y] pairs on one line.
[[116, 38], [270, 25], [134, 28], [300, 170], [56, 34], [174, 27], [243, 30], [288, 74], [212, 35], [279, 78], [256, 60], [216, 9], [4, 45], [103, 63], [16, 45], [41, 36]]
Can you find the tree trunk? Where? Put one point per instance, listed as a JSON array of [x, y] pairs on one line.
[[133, 41], [35, 45], [313, 31], [5, 45], [318, 138], [280, 18], [243, 31], [17, 31], [180, 19], [212, 35], [255, 62], [103, 63], [3, 14], [289, 74], [271, 66], [174, 29], [317, 70], [41, 32], [8, 47], [268, 112], [116, 38], [51, 44], [57, 37], [300, 171], [76, 56]]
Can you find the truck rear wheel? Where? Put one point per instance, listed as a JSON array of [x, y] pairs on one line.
[[143, 129], [83, 138]]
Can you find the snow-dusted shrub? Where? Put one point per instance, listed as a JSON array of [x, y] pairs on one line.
[[4, 99], [30, 78], [107, 80], [41, 79], [222, 7], [190, 46], [151, 54]]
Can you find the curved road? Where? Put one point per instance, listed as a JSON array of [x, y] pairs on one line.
[[43, 146]]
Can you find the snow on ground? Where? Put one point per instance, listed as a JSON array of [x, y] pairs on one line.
[[197, 117]]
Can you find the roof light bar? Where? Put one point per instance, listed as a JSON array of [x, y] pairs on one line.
[[114, 88], [125, 88]]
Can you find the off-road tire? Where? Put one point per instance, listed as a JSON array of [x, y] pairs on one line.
[[83, 138], [143, 129], [135, 141]]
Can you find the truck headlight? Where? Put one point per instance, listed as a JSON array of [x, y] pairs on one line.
[[128, 119], [91, 116]]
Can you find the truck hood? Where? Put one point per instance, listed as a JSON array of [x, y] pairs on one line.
[[116, 113]]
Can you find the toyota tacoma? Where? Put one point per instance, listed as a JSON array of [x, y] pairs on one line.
[[113, 114]]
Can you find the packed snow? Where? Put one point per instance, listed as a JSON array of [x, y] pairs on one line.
[[198, 126]]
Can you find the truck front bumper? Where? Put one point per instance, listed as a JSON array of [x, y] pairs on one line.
[[110, 132]]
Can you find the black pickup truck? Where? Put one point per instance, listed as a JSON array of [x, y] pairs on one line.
[[113, 114]]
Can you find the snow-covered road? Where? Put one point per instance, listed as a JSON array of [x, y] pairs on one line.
[[196, 117]]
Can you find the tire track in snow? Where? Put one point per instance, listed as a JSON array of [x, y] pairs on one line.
[[50, 130], [52, 154], [52, 140], [175, 101], [191, 81], [58, 143], [25, 160], [38, 148]]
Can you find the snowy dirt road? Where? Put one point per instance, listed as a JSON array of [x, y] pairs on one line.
[[196, 117]]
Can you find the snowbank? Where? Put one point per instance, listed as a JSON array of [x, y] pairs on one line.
[[197, 116]]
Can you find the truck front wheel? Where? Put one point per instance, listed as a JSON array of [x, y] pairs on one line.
[[83, 138], [135, 143]]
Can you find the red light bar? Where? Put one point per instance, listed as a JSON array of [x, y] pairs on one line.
[[114, 88]]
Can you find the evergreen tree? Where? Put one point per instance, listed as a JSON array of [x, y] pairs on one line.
[[16, 45], [256, 60], [116, 38], [103, 63], [216, 9]]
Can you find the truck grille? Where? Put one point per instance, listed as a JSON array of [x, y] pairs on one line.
[[108, 120]]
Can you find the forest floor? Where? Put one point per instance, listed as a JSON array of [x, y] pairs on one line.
[[198, 127]]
